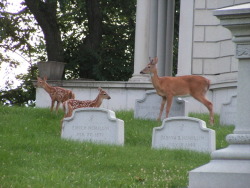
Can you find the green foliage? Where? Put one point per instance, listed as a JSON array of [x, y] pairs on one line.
[[24, 94], [17, 33], [32, 154], [114, 59], [176, 36]]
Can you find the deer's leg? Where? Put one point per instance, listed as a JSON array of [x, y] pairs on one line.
[[57, 106], [52, 105], [70, 110], [209, 106], [169, 104], [61, 124], [163, 102]]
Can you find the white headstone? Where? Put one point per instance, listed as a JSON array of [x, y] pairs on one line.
[[228, 112], [96, 125], [149, 107], [184, 133]]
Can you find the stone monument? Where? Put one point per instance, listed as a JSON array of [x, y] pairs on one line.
[[230, 167], [228, 112], [96, 125], [149, 107], [184, 133]]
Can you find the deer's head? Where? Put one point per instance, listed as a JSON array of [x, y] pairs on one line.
[[151, 66], [103, 94], [41, 82]]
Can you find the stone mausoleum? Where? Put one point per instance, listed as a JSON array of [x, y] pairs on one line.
[[205, 48]]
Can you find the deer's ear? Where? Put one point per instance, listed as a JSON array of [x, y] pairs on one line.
[[151, 60], [99, 89], [45, 78], [155, 60]]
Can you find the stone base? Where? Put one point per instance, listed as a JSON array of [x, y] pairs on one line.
[[221, 174], [140, 78], [229, 167]]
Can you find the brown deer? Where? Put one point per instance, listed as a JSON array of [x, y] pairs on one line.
[[72, 104], [57, 94], [168, 87]]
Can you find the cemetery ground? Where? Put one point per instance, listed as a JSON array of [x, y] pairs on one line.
[[32, 154]]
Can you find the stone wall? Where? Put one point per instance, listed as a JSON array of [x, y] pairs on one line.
[[211, 48], [123, 94]]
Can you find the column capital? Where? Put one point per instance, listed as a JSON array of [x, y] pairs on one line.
[[236, 19], [140, 78]]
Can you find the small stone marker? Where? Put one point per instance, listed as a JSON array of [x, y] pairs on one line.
[[96, 125], [149, 107], [184, 133], [228, 112]]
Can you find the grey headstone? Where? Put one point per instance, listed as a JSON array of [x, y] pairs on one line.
[[228, 112], [96, 125], [149, 107], [184, 133]]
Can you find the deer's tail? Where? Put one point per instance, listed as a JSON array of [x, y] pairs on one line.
[[208, 84], [71, 95]]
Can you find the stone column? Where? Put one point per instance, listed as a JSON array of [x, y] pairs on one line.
[[169, 38], [141, 40], [230, 167], [153, 28], [185, 37], [165, 35], [161, 36]]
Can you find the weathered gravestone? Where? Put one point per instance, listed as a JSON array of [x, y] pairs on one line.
[[184, 133], [228, 112], [96, 125], [149, 107]]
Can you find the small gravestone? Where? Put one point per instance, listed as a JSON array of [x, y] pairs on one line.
[[149, 107], [228, 112], [184, 133], [96, 125]]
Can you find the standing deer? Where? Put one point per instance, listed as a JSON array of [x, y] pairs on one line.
[[57, 94], [168, 87], [72, 104]]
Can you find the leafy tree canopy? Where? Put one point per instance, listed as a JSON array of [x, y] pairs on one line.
[[97, 38]]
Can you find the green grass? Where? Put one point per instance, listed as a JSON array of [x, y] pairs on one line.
[[32, 154]]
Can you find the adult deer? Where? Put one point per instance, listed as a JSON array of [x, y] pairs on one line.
[[72, 104], [168, 87], [57, 94]]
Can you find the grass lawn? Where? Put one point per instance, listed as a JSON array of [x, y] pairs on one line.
[[32, 154]]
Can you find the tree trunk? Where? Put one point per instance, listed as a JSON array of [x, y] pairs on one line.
[[94, 14], [45, 14], [89, 50]]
